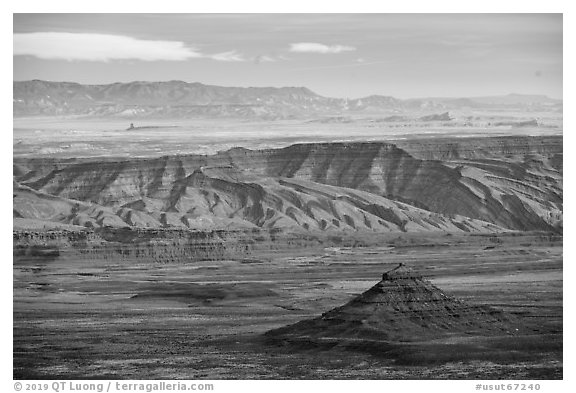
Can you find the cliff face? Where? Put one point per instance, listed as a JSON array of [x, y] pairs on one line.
[[483, 184], [119, 244], [148, 245]]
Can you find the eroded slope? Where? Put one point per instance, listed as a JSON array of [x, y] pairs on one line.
[[483, 184]]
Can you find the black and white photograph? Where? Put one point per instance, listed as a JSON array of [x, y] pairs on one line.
[[287, 196]]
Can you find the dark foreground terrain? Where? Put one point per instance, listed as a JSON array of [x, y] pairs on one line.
[[89, 315]]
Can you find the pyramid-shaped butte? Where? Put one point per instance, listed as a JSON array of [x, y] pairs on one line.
[[402, 307]]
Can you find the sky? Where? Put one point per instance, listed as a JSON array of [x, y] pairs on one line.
[[335, 55]]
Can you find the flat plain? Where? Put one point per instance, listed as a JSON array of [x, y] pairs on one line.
[[69, 137], [76, 317]]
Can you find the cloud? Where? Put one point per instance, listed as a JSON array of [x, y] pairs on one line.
[[107, 47], [227, 56], [99, 47], [313, 47], [263, 59]]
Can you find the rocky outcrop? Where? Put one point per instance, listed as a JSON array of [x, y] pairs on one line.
[[150, 245], [436, 117], [403, 306], [482, 184]]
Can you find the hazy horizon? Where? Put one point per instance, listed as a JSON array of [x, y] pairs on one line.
[[334, 55], [279, 87]]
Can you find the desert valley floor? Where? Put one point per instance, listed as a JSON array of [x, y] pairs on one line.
[[84, 318]]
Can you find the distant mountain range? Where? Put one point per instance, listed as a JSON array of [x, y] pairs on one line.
[[178, 99]]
